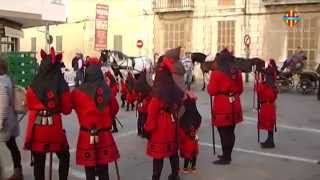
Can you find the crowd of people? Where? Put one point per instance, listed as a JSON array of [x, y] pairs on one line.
[[167, 113]]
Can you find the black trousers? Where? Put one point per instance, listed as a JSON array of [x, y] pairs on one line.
[[114, 124], [15, 153], [227, 137], [142, 117], [158, 166], [190, 163], [318, 95], [102, 171], [123, 100], [40, 161]]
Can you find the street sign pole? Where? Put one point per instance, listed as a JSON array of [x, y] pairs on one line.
[[247, 42], [139, 45], [247, 57]]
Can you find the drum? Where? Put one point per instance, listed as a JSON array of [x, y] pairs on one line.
[[20, 100]]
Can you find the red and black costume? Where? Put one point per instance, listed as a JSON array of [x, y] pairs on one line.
[[143, 90], [131, 95], [226, 86], [124, 92], [267, 95], [161, 125], [96, 146], [113, 84], [47, 97], [189, 125]]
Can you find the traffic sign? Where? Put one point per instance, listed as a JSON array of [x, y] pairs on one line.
[[247, 40], [139, 43]]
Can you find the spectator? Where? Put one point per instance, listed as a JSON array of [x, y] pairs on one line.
[[9, 126]]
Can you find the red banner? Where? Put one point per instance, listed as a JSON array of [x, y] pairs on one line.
[[102, 11]]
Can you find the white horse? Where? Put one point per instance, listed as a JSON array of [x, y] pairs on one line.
[[121, 63]]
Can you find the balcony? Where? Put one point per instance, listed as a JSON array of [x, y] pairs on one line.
[[288, 2], [164, 6]]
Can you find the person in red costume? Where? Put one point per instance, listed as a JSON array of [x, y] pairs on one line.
[[143, 89], [113, 84], [124, 92], [226, 86], [131, 95], [96, 147], [161, 126], [47, 97], [189, 125], [267, 95]]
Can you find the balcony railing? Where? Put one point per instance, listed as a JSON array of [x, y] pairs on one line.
[[287, 2], [162, 6]]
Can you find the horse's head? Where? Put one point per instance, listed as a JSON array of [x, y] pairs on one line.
[[105, 55], [259, 63], [198, 57]]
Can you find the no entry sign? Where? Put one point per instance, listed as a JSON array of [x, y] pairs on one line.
[[139, 43], [247, 40]]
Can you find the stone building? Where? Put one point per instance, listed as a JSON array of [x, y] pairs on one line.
[[198, 25]]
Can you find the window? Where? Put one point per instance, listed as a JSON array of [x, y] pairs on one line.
[[8, 44], [174, 3], [226, 35], [117, 42], [304, 35], [174, 35], [59, 43], [226, 2], [33, 44]]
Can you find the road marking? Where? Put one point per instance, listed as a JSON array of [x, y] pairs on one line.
[[280, 156], [253, 120]]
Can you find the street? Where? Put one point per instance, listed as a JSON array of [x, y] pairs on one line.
[[296, 156]]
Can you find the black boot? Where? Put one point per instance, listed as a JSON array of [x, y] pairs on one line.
[[123, 104], [269, 143], [222, 161], [174, 177], [155, 177], [114, 126], [132, 106], [127, 106]]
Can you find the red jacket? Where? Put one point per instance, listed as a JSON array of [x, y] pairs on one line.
[[46, 138], [143, 106], [267, 114], [131, 96], [226, 112], [105, 151], [114, 90], [189, 146], [124, 89], [162, 130]]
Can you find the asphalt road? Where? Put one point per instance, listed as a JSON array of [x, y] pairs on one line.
[[296, 156]]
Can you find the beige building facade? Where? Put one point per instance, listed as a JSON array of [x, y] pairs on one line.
[[211, 25], [198, 25], [127, 23]]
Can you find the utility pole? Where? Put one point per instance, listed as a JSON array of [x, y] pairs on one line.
[[47, 37], [247, 48]]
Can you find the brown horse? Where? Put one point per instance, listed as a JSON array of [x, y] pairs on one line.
[[245, 65], [205, 67]]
